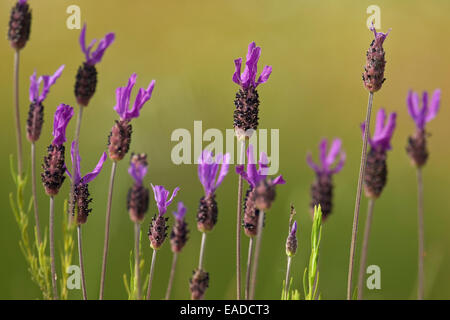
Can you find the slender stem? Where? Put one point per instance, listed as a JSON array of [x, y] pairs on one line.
[[238, 225], [107, 224], [137, 260], [33, 190], [257, 252], [80, 258], [420, 290], [288, 271], [172, 275], [202, 251], [249, 266], [363, 261], [150, 278], [52, 247], [76, 139], [362, 169], [17, 113]]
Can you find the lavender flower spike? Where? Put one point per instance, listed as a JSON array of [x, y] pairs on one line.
[[36, 112], [247, 99], [322, 187], [120, 137], [157, 231], [54, 162], [92, 58], [291, 242], [81, 197], [179, 234], [86, 78], [417, 148], [210, 177], [138, 195], [376, 168], [19, 25], [261, 192]]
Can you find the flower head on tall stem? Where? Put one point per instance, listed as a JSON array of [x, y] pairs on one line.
[[291, 241], [376, 168], [178, 236], [81, 195], [322, 187], [211, 172], [417, 148], [157, 231], [373, 76], [120, 137], [86, 78], [54, 162], [19, 25], [247, 99], [138, 195]]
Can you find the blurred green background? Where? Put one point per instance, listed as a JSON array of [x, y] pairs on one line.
[[317, 50]]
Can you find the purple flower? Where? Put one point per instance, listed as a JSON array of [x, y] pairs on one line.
[[208, 167], [62, 117], [138, 168], [427, 112], [161, 196], [48, 81], [383, 133], [123, 99], [255, 176], [94, 57], [22, 1], [379, 36], [181, 211], [76, 159], [294, 229], [327, 159], [248, 77]]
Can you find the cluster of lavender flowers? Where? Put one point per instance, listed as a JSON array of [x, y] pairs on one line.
[[212, 169]]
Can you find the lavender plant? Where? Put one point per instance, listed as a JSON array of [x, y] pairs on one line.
[[210, 177], [259, 198], [322, 187], [417, 151], [157, 232], [375, 179], [118, 145], [53, 174], [68, 245], [373, 78], [137, 204], [245, 122], [291, 250], [81, 199]]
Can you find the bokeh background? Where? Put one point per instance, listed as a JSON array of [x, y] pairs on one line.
[[317, 50]]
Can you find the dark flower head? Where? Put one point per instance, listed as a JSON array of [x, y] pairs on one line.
[[62, 117], [47, 81], [208, 167], [291, 242], [382, 135], [428, 111], [19, 25], [138, 167], [327, 159], [92, 58], [255, 176], [76, 160], [181, 212], [123, 99], [248, 77], [161, 196]]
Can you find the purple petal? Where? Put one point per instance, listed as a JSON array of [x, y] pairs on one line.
[[265, 74], [412, 102], [82, 41], [34, 87], [340, 164], [333, 152], [379, 124], [75, 156], [294, 228], [123, 97], [62, 117], [323, 146], [142, 97], [311, 163], [181, 211], [237, 71], [174, 193], [278, 180], [434, 106], [241, 171], [137, 171], [252, 173], [92, 175], [48, 82], [97, 55], [223, 170]]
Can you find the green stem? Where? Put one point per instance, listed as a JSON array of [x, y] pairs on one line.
[[288, 271], [33, 190], [257, 252], [80, 258], [421, 237], [238, 225], [17, 114], [362, 168], [363, 262], [52, 247], [249, 266], [202, 251], [152, 272], [172, 275], [137, 260]]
